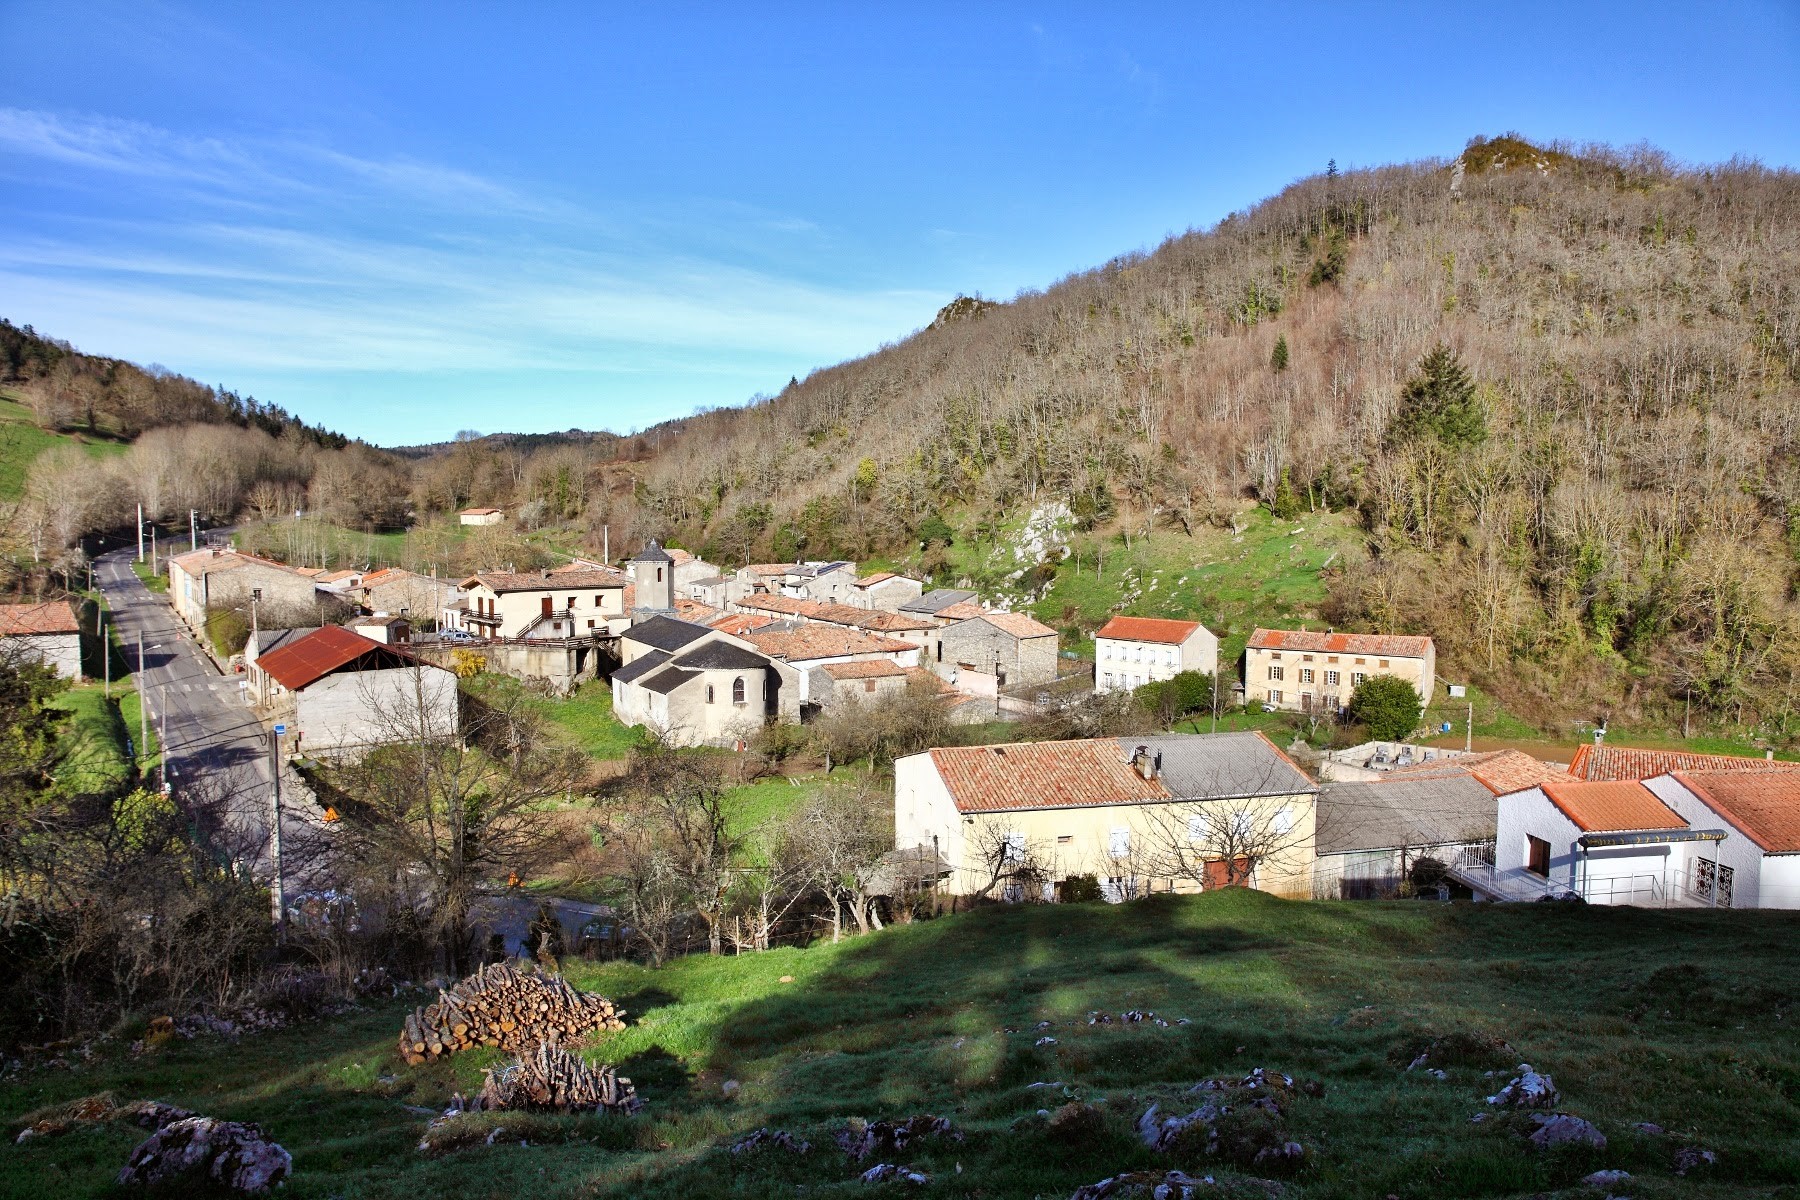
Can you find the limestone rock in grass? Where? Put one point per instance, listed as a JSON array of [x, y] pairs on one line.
[[1606, 1178], [1528, 1089], [772, 1139], [1146, 1185], [231, 1154], [863, 1139], [97, 1109], [1689, 1158], [893, 1173], [1560, 1129]]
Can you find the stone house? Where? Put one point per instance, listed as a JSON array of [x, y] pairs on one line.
[[1010, 649], [933, 603], [341, 694], [545, 605], [860, 680], [48, 634], [884, 590], [420, 598], [829, 582], [214, 578], [1304, 671], [1132, 651], [1138, 814], [804, 647]]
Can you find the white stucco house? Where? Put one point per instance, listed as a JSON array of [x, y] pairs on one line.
[[1759, 865], [1616, 842], [1132, 651]]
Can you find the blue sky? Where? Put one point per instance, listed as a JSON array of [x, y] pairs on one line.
[[405, 220]]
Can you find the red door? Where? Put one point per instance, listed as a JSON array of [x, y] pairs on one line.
[[1222, 872], [546, 606]]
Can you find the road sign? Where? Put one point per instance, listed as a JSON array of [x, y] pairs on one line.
[[280, 729]]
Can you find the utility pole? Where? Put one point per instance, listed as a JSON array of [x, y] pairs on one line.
[[1469, 730], [140, 533], [277, 893], [143, 702], [193, 529], [606, 541], [105, 648], [153, 567]]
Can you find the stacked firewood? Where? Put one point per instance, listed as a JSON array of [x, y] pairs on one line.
[[550, 1079], [498, 1006]]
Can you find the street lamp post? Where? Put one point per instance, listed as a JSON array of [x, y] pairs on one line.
[[277, 891]]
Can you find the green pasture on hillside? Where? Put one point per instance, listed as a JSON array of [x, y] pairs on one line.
[[21, 441], [1683, 1019]]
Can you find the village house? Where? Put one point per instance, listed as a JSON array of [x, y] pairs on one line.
[[1600, 761], [341, 694], [1132, 651], [385, 628], [830, 582], [919, 630], [259, 689], [1758, 866], [1615, 842], [481, 516], [1166, 812], [420, 598], [698, 687], [544, 605], [884, 590], [48, 634], [715, 591], [1375, 825], [1302, 671], [213, 578], [805, 647], [996, 651], [764, 578], [933, 603], [859, 680]]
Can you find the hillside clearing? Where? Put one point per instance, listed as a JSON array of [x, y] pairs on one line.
[[21, 442], [1680, 1018]]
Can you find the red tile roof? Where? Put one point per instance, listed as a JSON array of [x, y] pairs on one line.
[[864, 669], [822, 641], [25, 620], [792, 606], [1148, 629], [309, 659], [962, 610], [1020, 625], [693, 610], [739, 623], [767, 569], [1499, 771], [1397, 645], [1593, 762], [877, 577], [545, 581], [1612, 807], [1091, 771], [1765, 805], [477, 512]]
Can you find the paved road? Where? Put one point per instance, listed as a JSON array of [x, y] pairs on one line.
[[217, 752]]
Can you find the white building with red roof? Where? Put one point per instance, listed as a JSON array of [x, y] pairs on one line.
[[1132, 651], [1759, 865], [341, 694], [47, 633], [1307, 671]]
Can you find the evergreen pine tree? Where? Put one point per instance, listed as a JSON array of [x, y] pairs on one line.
[[1278, 359], [1439, 401]]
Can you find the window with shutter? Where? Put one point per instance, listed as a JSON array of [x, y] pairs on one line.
[[1118, 843]]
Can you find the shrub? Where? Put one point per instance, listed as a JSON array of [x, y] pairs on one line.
[[1388, 707], [228, 630]]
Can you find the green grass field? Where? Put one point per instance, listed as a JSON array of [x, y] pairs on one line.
[[21, 441], [94, 756], [1679, 1018], [585, 718], [156, 581]]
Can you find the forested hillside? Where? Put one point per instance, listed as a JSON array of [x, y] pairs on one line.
[[1590, 496]]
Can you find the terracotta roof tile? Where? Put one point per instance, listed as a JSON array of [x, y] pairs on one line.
[[24, 620], [791, 606], [822, 641], [877, 577], [1603, 762], [1398, 645], [1020, 625], [962, 610], [693, 610], [1500, 771], [741, 623], [545, 581], [477, 512], [880, 668], [1042, 775], [1148, 629], [1612, 807], [1765, 805]]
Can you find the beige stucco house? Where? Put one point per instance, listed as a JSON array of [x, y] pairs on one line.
[[1305, 671], [545, 604], [48, 634], [1167, 812], [1132, 651]]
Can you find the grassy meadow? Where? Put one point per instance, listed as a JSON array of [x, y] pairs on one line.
[[21, 441], [1679, 1018]]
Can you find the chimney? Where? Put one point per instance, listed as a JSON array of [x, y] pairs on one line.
[[1769, 755], [1141, 763]]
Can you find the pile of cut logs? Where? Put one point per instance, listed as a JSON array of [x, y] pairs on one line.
[[550, 1079], [498, 1006]]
